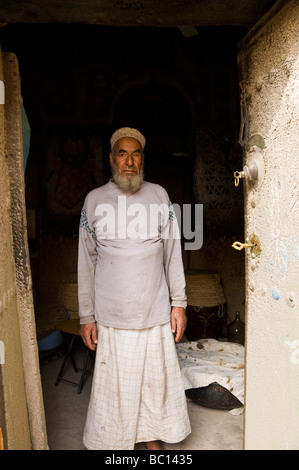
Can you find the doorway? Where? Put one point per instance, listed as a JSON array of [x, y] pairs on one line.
[[72, 89]]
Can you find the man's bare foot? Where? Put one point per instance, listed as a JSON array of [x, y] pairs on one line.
[[153, 445]]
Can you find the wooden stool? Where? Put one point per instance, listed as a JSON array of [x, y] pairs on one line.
[[71, 328]]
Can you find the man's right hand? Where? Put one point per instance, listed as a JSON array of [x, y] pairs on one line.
[[89, 334]]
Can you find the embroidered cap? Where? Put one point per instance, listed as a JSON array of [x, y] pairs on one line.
[[127, 132]]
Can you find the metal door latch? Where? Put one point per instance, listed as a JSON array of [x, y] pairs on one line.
[[250, 172], [252, 242], [254, 171]]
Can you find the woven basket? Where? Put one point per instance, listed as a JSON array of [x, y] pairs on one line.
[[68, 295], [203, 288]]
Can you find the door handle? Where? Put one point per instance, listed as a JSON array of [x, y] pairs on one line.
[[252, 242], [239, 246], [254, 171], [250, 172]]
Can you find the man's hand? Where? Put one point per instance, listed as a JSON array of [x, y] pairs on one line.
[[89, 334], [178, 319]]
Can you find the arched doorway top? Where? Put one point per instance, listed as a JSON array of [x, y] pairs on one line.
[[163, 111]]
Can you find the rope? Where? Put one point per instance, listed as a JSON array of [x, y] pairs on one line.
[[244, 126]]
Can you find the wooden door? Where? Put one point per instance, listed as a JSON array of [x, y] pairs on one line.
[[268, 59], [22, 420]]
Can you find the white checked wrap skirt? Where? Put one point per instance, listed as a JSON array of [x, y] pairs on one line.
[[137, 393]]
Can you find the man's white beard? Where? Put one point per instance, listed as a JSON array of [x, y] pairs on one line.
[[131, 184]]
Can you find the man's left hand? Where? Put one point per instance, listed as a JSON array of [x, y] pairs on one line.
[[178, 320]]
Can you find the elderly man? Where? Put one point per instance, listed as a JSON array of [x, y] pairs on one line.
[[132, 303]]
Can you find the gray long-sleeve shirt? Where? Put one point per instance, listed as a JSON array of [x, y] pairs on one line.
[[130, 269]]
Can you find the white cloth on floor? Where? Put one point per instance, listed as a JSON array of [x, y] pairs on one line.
[[206, 361], [137, 393]]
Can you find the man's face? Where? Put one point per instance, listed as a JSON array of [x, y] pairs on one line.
[[127, 157]]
